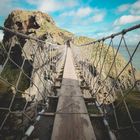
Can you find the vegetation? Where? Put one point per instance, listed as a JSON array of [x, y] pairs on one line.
[[92, 109], [11, 74], [133, 102], [92, 54], [82, 40], [44, 25]]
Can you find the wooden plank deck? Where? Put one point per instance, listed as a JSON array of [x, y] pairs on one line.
[[72, 121]]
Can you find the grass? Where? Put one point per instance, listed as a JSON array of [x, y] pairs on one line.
[[11, 74], [133, 102], [89, 53], [4, 87], [92, 109]]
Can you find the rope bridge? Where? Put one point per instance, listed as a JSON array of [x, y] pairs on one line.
[[28, 76]]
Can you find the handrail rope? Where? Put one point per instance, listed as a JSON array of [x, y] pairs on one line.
[[124, 31], [24, 35]]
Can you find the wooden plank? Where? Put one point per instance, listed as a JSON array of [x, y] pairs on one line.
[[72, 104], [72, 121], [70, 90], [48, 114], [72, 127]]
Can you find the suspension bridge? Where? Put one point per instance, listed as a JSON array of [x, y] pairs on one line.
[[75, 91]]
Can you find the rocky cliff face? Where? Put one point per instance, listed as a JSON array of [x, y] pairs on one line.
[[35, 24]]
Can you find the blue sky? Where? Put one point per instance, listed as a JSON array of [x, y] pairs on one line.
[[93, 18]]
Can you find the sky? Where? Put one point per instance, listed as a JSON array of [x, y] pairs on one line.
[[92, 18]]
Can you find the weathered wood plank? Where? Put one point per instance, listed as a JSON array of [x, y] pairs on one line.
[[72, 127], [72, 121], [72, 104]]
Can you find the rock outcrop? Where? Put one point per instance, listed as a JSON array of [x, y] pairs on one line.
[[36, 24]]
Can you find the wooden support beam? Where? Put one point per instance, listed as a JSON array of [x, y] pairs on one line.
[[47, 114]]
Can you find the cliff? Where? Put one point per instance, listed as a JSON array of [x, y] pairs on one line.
[[37, 24]]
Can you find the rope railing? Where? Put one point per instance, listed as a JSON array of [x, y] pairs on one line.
[[124, 31], [114, 79], [26, 78]]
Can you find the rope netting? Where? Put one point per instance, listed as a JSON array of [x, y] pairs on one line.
[[28, 70], [111, 67]]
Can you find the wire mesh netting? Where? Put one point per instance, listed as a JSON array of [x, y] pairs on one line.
[[28, 68], [111, 67]]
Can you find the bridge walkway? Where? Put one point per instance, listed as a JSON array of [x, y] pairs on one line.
[[72, 121]]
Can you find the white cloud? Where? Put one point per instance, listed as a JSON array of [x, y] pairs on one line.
[[123, 8], [91, 14], [135, 8], [126, 19], [133, 15], [131, 8], [83, 12], [98, 17], [70, 13], [52, 5], [49, 6]]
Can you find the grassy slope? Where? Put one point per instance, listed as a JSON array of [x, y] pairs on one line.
[[89, 52]]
